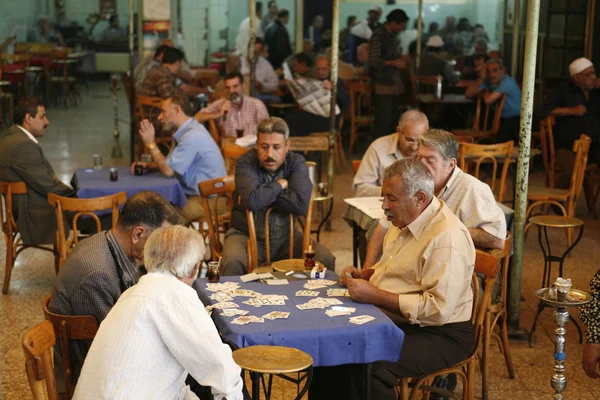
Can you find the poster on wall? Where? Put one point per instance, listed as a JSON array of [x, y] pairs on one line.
[[509, 13], [154, 32], [108, 7], [157, 10]]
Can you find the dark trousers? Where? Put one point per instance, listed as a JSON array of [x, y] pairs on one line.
[[387, 114], [425, 350], [509, 130], [302, 123]]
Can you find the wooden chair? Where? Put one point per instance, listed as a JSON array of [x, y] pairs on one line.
[[252, 245], [38, 346], [81, 207], [68, 328], [63, 75], [148, 107], [361, 109], [215, 133], [487, 265], [231, 152], [128, 84], [424, 84], [206, 77], [212, 191], [537, 196], [10, 229], [493, 154], [497, 315], [340, 157], [355, 165], [481, 128]]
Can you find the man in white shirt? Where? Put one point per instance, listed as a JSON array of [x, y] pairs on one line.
[[388, 149], [423, 280], [267, 80], [470, 199], [243, 37], [158, 332]]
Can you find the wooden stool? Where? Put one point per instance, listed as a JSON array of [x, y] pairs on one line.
[[273, 360], [554, 221]]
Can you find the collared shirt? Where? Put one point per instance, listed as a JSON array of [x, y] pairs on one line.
[[380, 154], [508, 86], [90, 281], [590, 312], [155, 335], [159, 82], [472, 201], [264, 72], [429, 264], [29, 135], [243, 37], [246, 116], [195, 156], [568, 128]]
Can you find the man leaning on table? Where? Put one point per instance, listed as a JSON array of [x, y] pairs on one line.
[[269, 176], [388, 149], [195, 157], [470, 199], [158, 332], [423, 280]]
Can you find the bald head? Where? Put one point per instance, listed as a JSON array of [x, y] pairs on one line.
[[411, 126], [322, 67]]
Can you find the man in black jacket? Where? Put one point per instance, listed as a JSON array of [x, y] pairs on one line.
[[267, 176], [278, 39], [23, 160]]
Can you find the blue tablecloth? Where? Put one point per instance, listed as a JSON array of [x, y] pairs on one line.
[[329, 340], [96, 183]]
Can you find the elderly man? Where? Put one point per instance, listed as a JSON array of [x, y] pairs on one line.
[[385, 63], [194, 158], [158, 332], [236, 112], [575, 105], [423, 280], [268, 176], [102, 267], [498, 83], [23, 160], [302, 123], [388, 149], [470, 199]]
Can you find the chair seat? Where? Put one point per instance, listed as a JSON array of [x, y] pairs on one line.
[[61, 79], [272, 359], [556, 221], [544, 193], [473, 132]]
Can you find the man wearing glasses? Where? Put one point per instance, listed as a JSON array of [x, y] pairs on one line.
[[575, 105]]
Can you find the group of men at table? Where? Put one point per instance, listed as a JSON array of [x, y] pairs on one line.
[[435, 217]]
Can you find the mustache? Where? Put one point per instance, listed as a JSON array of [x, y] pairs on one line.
[[388, 214], [270, 159]]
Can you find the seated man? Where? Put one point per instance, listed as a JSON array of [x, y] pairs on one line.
[[148, 64], [158, 332], [386, 150], [302, 123], [194, 158], [575, 105], [423, 281], [103, 266], [433, 64], [267, 176], [498, 83], [237, 111], [113, 33], [267, 81], [162, 81], [470, 199], [23, 160]]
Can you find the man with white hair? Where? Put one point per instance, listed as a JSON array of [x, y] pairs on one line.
[[423, 280], [386, 150], [159, 331], [575, 105], [433, 64]]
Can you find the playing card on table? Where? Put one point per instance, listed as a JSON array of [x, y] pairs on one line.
[[222, 305], [338, 293], [277, 282], [233, 312], [256, 319], [243, 292], [343, 309], [243, 320], [333, 302], [361, 319], [220, 296], [219, 287], [311, 286], [317, 302], [276, 315], [310, 293], [333, 313]]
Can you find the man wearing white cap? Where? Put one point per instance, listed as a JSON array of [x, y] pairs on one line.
[[362, 32], [575, 105], [433, 64]]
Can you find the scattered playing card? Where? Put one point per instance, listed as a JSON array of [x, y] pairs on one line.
[[277, 282], [361, 319], [243, 292], [338, 293], [333, 313], [222, 305], [309, 293], [333, 302], [317, 302], [220, 287], [343, 309], [276, 315], [221, 296], [249, 277], [233, 312]]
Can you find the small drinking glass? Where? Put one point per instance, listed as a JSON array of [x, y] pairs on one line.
[[239, 132], [97, 161], [114, 174], [212, 272], [323, 188]]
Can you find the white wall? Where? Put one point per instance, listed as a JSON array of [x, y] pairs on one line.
[[21, 13]]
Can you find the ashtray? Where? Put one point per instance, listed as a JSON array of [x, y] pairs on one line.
[[575, 297]]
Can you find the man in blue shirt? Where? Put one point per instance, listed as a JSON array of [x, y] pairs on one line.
[[195, 157], [498, 83]]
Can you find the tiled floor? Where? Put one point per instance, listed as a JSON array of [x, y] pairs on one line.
[[75, 134]]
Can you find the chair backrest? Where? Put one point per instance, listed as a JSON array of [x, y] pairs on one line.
[[38, 343], [212, 192], [487, 265], [7, 190], [82, 207], [252, 245], [504, 257], [360, 99], [495, 108], [424, 84], [470, 153], [16, 58], [148, 107], [214, 131], [309, 143], [231, 152], [581, 148], [128, 84], [355, 165], [67, 328], [548, 151], [206, 76]]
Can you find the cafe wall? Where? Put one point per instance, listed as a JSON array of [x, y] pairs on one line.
[[21, 13]]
